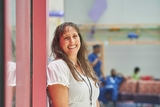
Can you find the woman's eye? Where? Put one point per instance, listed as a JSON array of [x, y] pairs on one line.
[[74, 36], [66, 38]]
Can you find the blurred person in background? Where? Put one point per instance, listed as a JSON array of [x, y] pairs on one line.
[[95, 61], [135, 74], [110, 87]]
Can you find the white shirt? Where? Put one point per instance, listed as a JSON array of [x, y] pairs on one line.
[[11, 73], [58, 72]]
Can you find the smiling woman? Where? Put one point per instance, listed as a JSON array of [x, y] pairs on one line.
[[71, 81], [70, 42]]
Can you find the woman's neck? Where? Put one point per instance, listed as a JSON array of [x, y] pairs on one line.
[[73, 59]]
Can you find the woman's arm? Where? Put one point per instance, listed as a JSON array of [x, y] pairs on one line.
[[59, 95], [98, 104]]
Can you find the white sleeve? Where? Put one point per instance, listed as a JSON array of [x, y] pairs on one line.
[[58, 73], [11, 74]]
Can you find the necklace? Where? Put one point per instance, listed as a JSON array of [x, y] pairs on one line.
[[88, 85], [76, 65]]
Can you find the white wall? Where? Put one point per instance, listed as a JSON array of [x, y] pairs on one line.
[[118, 11], [13, 12], [125, 57], [54, 5]]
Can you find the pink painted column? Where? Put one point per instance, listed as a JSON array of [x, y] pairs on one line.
[[39, 35], [23, 53], [7, 51]]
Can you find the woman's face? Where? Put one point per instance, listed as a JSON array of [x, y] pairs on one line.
[[70, 42]]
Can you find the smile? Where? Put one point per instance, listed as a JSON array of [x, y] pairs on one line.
[[72, 47]]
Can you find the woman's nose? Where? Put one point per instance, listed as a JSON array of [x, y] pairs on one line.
[[71, 39]]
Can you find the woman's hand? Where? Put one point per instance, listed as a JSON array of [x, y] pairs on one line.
[[98, 104], [59, 95]]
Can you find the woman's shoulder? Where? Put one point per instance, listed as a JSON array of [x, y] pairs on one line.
[[58, 63], [58, 72], [11, 63]]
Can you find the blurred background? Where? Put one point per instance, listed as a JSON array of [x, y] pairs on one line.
[[129, 30]]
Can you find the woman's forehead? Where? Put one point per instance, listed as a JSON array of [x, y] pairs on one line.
[[69, 28]]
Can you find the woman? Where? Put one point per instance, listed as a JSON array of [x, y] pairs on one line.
[[71, 81]]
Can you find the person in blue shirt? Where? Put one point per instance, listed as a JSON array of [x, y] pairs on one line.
[[111, 87], [96, 61]]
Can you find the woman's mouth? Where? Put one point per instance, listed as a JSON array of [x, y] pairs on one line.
[[72, 47]]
